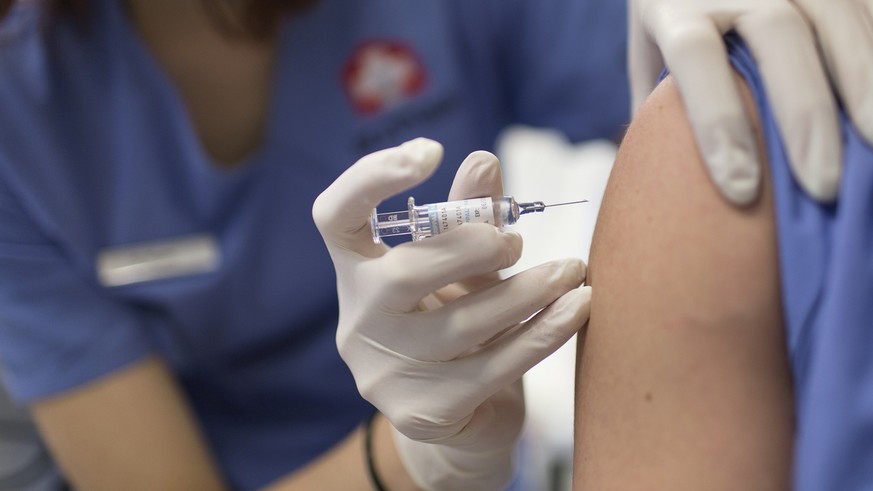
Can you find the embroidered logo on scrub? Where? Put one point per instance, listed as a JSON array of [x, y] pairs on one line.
[[382, 74]]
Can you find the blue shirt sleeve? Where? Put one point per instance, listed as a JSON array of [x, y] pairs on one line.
[[826, 267], [57, 330]]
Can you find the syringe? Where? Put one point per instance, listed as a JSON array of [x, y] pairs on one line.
[[426, 221]]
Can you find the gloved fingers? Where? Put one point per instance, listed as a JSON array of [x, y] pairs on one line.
[[479, 175], [505, 361], [845, 34], [696, 56], [784, 46], [645, 63], [342, 211], [470, 321], [865, 126], [440, 398], [402, 277]]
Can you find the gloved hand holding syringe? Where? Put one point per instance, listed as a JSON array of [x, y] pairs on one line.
[[435, 338], [425, 221]]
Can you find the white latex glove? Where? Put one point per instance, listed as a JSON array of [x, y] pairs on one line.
[[442, 360], [689, 33], [844, 29]]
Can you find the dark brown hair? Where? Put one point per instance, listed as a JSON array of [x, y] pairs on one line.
[[252, 18]]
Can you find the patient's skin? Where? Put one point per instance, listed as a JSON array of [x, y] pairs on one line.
[[683, 381]]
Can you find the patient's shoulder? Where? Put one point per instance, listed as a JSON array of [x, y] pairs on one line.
[[660, 192], [682, 381]]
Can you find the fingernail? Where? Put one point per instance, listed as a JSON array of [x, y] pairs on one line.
[[424, 149]]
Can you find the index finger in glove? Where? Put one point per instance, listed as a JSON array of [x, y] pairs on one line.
[[785, 49], [509, 357], [412, 270], [845, 33], [471, 321], [696, 55], [342, 211]]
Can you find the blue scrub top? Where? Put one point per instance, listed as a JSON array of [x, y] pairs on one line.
[[97, 151], [826, 264]]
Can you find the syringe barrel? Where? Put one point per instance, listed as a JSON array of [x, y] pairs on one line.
[[435, 218], [506, 211]]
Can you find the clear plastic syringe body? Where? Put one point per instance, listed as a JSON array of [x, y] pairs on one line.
[[425, 221]]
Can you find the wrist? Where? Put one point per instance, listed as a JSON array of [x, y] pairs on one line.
[[384, 459]]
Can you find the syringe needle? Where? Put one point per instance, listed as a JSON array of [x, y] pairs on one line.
[[567, 203]]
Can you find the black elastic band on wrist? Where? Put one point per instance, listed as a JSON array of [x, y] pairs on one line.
[[368, 451]]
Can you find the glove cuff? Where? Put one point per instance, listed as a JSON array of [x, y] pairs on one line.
[[437, 467]]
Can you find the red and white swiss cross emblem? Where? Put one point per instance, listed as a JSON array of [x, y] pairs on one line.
[[381, 74]]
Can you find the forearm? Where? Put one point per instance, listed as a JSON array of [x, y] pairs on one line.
[[130, 430], [134, 430]]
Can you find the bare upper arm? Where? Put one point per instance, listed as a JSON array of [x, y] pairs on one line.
[[683, 380], [131, 430]]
